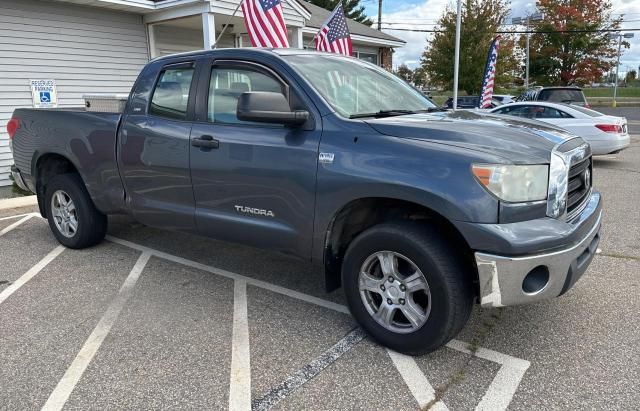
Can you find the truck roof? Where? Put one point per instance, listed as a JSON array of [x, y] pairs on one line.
[[250, 50]]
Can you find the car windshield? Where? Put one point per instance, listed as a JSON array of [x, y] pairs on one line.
[[587, 111], [562, 95], [355, 88]]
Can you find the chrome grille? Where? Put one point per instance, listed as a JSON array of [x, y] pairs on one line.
[[579, 187]]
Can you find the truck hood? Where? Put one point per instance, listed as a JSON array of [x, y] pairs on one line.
[[518, 140]]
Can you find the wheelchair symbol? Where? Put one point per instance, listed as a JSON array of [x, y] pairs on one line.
[[45, 97]]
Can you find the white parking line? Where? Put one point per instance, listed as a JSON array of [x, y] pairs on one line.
[[415, 379], [33, 271], [505, 383], [11, 217], [66, 385], [14, 225], [240, 381], [262, 284]]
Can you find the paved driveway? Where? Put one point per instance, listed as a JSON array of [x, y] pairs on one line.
[[153, 319]]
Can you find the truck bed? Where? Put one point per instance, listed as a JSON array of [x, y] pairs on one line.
[[87, 139]]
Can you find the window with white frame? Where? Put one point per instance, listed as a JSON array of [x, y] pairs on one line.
[[370, 57]]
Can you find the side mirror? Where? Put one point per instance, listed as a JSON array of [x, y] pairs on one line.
[[268, 107]]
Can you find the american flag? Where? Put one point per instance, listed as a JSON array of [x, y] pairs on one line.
[[334, 36], [489, 74], [265, 23]]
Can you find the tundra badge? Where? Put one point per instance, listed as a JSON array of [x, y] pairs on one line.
[[254, 211]]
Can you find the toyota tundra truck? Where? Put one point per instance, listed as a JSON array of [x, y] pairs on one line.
[[415, 213]]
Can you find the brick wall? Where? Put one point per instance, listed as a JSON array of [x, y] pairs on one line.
[[386, 58]]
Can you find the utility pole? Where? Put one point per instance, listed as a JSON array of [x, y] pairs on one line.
[[615, 87], [379, 15], [526, 77], [527, 20], [619, 36]]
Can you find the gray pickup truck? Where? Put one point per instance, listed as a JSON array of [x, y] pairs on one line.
[[414, 212]]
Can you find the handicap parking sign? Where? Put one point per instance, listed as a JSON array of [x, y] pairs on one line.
[[45, 97], [44, 93]]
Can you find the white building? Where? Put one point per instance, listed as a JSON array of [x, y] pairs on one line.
[[99, 46]]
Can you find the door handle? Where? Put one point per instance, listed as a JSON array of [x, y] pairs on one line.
[[205, 141]]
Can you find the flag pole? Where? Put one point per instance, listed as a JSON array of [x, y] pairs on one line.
[[324, 23], [224, 28], [312, 40], [456, 61]]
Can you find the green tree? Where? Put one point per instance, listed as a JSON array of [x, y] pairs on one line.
[[352, 9], [571, 45], [404, 72], [631, 76], [420, 77], [480, 20]]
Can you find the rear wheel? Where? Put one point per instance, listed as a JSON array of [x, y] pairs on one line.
[[72, 216], [406, 287]]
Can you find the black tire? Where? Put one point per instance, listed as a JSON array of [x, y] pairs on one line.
[[92, 224], [451, 291]]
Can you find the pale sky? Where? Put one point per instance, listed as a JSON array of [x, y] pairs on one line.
[[423, 13]]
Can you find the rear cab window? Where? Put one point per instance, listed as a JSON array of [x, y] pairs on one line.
[[562, 95], [170, 97]]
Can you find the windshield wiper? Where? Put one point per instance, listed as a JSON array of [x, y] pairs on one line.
[[384, 113]]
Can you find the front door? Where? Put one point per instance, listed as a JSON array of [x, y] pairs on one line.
[[253, 183], [153, 153]]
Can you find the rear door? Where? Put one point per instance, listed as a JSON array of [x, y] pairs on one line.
[[153, 151], [253, 182]]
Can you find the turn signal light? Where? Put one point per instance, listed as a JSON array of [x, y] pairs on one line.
[[12, 126], [610, 128]]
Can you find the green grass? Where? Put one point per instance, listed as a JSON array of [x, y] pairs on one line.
[[608, 92]]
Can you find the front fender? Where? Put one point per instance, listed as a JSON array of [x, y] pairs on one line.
[[433, 175]]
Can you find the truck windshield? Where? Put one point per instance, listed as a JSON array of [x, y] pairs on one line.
[[355, 88]]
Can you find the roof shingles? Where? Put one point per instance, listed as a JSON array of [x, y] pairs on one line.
[[320, 15]]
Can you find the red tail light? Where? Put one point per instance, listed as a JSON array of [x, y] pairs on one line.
[[12, 126], [610, 128]]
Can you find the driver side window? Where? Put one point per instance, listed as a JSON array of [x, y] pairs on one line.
[[226, 86]]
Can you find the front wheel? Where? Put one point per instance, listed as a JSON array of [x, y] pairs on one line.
[[406, 287], [72, 216]]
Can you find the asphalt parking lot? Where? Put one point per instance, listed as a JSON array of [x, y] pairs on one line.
[[153, 319]]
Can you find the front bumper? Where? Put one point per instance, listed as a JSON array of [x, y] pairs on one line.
[[17, 177], [512, 280]]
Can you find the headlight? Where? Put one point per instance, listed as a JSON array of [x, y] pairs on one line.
[[559, 177], [514, 183]]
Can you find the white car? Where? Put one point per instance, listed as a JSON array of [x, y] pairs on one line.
[[504, 98], [606, 134]]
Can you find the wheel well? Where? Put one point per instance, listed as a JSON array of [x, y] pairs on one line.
[[48, 166], [361, 214]]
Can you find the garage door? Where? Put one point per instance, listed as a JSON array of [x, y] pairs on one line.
[[84, 49]]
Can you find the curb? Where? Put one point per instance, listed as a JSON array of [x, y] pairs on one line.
[[18, 202]]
